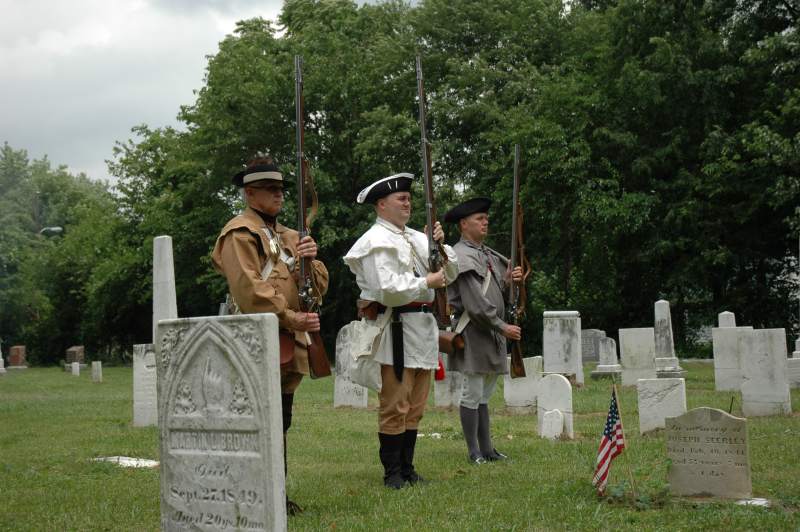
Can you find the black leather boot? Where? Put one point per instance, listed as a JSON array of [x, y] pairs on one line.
[[391, 454], [469, 424], [409, 473], [485, 436]]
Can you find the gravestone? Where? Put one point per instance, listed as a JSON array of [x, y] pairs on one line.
[[520, 393], [555, 393], [608, 365], [637, 348], [796, 353], [219, 416], [165, 303], [76, 369], [16, 357], [765, 386], [561, 343], [447, 392], [667, 365], [2, 365], [552, 425], [726, 319], [658, 400], [590, 344], [793, 372], [145, 406], [708, 451], [727, 346], [97, 371], [75, 354], [345, 391]]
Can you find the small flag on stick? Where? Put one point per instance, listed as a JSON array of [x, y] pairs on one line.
[[611, 444]]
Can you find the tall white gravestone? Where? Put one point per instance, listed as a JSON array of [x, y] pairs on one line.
[[345, 391], [658, 400], [520, 393], [637, 348], [2, 365], [561, 343], [145, 406], [608, 365], [555, 393], [666, 363], [76, 369], [728, 354], [221, 435], [97, 371], [165, 305], [765, 385], [726, 319]]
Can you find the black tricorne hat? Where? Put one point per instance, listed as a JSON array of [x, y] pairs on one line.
[[258, 172], [471, 206], [383, 187]]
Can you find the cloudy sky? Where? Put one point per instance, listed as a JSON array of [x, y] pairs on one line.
[[76, 76]]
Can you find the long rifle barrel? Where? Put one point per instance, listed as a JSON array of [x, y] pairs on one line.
[[299, 172]]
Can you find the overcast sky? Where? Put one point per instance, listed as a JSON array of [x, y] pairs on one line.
[[75, 76]]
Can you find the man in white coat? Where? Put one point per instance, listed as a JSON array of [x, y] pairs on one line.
[[390, 262]]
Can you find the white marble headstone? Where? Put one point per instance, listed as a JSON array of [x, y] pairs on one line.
[[221, 435], [97, 371], [145, 409], [447, 392], [561, 343], [520, 393], [345, 391], [665, 347], [76, 368], [2, 365], [793, 372], [165, 304], [608, 364], [658, 400], [796, 353], [726, 319], [637, 349], [555, 393], [728, 357], [765, 384], [552, 425]]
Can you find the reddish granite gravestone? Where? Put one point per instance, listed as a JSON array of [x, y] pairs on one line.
[[16, 357], [75, 354]]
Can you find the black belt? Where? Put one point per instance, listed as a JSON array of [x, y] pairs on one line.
[[406, 309]]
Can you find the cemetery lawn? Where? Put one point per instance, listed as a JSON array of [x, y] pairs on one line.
[[52, 424]]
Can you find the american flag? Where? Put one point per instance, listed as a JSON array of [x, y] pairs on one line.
[[611, 445]]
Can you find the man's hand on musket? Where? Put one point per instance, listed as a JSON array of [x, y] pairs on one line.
[[515, 274], [512, 332], [438, 232], [307, 248], [436, 280], [306, 321]]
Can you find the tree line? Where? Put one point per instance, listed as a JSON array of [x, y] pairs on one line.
[[660, 159]]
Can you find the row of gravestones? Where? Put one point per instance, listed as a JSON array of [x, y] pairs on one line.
[[219, 419], [17, 359], [218, 414], [754, 362], [644, 352]]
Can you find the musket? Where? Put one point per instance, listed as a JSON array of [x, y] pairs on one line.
[[516, 291], [436, 255], [310, 297]]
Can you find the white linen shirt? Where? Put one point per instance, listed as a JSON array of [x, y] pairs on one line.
[[384, 264]]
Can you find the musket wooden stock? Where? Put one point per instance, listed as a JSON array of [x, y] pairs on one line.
[[310, 298]]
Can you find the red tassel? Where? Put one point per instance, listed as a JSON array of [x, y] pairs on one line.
[[439, 375]]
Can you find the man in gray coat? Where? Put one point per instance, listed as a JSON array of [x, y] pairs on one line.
[[478, 299]]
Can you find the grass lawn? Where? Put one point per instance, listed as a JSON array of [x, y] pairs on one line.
[[52, 424]]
